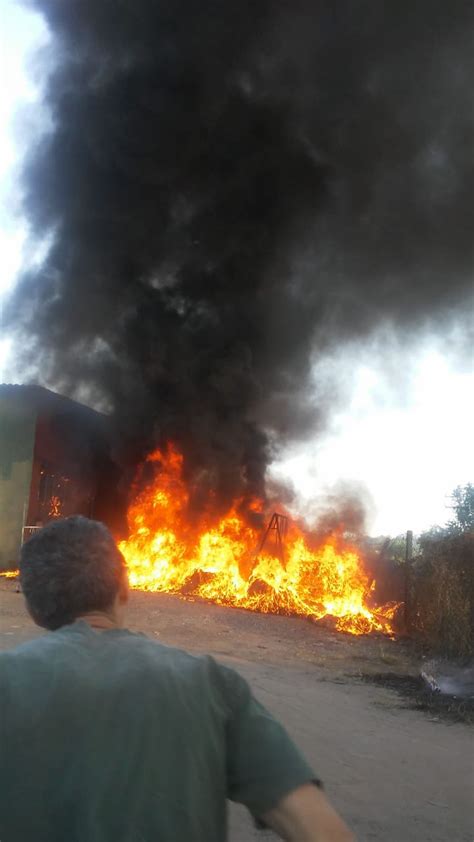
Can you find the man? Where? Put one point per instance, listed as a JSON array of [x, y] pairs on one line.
[[106, 736]]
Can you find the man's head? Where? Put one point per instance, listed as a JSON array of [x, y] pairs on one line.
[[71, 568]]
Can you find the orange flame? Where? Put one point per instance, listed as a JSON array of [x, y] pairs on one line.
[[218, 560], [55, 507]]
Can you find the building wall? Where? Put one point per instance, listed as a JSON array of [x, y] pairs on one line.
[[54, 462], [17, 436]]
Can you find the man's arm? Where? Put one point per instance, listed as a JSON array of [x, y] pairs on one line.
[[305, 815], [267, 773]]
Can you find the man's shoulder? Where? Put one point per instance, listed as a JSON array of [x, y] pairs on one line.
[[166, 656], [156, 650], [80, 643], [125, 637], [198, 671], [27, 648], [80, 637], [26, 663]]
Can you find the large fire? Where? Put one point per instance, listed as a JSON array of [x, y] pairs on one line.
[[224, 560]]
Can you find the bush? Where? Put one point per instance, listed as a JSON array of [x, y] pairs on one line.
[[442, 592]]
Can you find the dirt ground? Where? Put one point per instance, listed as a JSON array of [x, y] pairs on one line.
[[396, 774]]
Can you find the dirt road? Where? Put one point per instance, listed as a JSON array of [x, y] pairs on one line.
[[395, 774]]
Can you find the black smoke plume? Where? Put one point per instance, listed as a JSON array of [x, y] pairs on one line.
[[233, 189]]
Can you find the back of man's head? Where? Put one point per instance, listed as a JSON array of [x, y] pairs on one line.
[[71, 567]]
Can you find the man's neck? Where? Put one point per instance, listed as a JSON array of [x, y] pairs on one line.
[[100, 621]]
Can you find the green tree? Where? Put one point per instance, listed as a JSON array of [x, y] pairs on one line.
[[463, 507]]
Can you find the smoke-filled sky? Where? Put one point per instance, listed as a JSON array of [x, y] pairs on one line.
[[250, 228]]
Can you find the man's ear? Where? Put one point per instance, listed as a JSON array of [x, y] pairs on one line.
[[123, 589]]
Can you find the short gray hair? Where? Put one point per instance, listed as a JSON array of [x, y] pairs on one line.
[[71, 567]]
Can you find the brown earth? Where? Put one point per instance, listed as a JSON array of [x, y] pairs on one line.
[[395, 774]]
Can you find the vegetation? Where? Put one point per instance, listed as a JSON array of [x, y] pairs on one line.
[[441, 580], [442, 590]]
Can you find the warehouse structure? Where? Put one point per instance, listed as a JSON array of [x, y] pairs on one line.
[[54, 462]]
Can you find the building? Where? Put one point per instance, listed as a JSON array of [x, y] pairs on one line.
[[54, 462]]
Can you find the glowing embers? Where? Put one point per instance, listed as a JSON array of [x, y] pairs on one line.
[[231, 563]]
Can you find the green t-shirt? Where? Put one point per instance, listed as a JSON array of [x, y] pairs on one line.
[[111, 737]]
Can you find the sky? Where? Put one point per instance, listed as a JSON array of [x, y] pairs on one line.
[[409, 455], [408, 448], [21, 33]]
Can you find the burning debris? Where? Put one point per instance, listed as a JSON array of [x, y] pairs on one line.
[[225, 559], [55, 507]]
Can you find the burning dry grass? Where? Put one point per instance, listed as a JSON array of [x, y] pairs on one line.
[[220, 560]]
